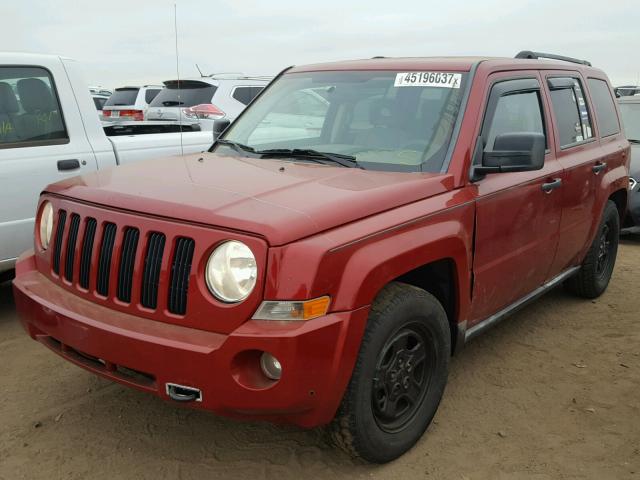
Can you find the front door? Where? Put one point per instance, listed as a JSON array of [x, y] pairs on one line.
[[39, 144], [518, 213]]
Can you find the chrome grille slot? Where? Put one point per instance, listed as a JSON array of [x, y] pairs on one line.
[[104, 261], [127, 260], [87, 250], [180, 272], [72, 238], [57, 247], [152, 265]]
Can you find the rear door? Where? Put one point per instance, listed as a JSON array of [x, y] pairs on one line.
[[517, 213], [613, 141], [578, 151], [42, 143]]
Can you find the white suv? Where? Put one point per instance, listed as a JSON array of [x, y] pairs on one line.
[[129, 103], [203, 100]]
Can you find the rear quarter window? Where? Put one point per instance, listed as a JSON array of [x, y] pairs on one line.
[[99, 102], [150, 94], [606, 115], [245, 94]]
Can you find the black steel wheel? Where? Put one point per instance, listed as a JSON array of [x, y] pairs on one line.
[[399, 376], [605, 247], [597, 267], [403, 372]]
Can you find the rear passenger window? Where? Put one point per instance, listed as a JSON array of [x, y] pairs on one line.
[[516, 112], [29, 108], [245, 94], [604, 107], [570, 110], [151, 94]]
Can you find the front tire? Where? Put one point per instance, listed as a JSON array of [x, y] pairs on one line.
[[399, 376], [595, 272]]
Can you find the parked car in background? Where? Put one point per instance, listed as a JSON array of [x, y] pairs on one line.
[[329, 278], [630, 112], [99, 101], [206, 99], [627, 90], [49, 131], [129, 103], [105, 92], [100, 96]]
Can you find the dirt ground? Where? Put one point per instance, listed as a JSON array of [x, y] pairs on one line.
[[552, 393]]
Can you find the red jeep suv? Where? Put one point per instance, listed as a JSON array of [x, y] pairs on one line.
[[357, 224]]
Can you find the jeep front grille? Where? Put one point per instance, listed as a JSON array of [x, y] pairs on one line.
[[74, 258]]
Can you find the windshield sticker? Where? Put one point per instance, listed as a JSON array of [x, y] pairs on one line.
[[428, 79]]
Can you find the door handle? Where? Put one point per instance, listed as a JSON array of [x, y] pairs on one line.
[[64, 165], [548, 187], [598, 167]]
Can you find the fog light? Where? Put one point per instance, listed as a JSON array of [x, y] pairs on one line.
[[270, 366]]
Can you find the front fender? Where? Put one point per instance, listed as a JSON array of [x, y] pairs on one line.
[[354, 262]]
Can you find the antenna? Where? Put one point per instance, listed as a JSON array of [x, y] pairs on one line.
[[200, 71], [175, 27]]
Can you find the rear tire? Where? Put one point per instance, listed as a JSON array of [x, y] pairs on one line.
[[593, 277], [399, 376]]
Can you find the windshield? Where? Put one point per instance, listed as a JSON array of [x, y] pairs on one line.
[[398, 121], [630, 113], [123, 96], [185, 93]]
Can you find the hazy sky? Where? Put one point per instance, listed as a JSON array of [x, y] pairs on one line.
[[129, 42]]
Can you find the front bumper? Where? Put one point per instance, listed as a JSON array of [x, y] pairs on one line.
[[317, 356]]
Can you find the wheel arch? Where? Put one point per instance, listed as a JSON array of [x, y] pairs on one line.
[[440, 279], [620, 198]]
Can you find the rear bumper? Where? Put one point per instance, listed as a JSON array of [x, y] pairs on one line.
[[633, 211], [317, 357]]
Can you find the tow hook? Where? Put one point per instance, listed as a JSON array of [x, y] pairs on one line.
[[181, 393]]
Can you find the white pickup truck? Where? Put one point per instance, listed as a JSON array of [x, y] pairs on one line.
[[49, 130]]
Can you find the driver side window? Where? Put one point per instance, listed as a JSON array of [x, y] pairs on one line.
[[516, 112]]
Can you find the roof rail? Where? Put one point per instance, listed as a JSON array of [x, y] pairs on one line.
[[536, 55]]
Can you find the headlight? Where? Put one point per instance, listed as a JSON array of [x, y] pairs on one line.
[[46, 224], [231, 272]]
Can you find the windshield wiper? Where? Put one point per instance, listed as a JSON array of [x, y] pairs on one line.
[[172, 103], [633, 140], [238, 147], [344, 160]]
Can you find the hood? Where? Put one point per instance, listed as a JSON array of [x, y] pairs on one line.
[[279, 200]]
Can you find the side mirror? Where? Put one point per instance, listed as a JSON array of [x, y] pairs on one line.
[[513, 152], [219, 126]]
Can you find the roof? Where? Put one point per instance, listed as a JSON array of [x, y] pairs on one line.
[[455, 64], [461, 64]]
